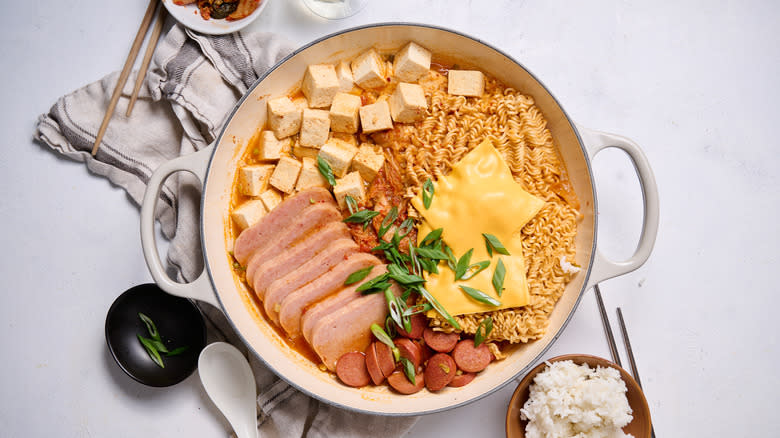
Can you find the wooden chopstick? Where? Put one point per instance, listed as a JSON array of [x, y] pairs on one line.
[[139, 38], [607, 328], [150, 46], [630, 352]]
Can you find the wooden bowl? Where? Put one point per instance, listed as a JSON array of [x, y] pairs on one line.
[[639, 427]]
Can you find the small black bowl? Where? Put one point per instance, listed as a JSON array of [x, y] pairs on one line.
[[179, 323]]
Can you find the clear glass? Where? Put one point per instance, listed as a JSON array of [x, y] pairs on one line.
[[335, 9]]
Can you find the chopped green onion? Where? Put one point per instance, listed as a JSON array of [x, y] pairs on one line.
[[351, 204], [451, 260], [358, 275], [362, 217], [326, 170], [381, 335], [498, 277], [151, 350], [402, 276], [480, 296], [438, 307], [483, 330], [492, 243], [419, 308], [431, 253], [390, 326], [463, 264], [375, 283], [409, 370], [416, 268], [150, 327], [474, 269], [388, 221], [427, 193], [432, 237], [177, 351]]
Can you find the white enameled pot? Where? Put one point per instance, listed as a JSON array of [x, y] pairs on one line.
[[217, 164]]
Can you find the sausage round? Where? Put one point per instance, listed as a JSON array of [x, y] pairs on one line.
[[410, 350], [462, 379], [469, 358], [351, 369], [372, 364], [385, 358], [439, 372], [440, 341], [400, 383], [419, 322]]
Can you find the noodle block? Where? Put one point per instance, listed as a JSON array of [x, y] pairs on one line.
[[407, 103], [320, 84], [465, 83], [344, 113], [352, 185], [286, 174], [376, 117], [284, 117], [411, 62], [338, 153], [368, 161], [253, 180], [249, 213], [314, 128], [368, 70], [310, 176], [479, 196]]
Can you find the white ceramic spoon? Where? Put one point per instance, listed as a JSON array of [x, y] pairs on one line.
[[230, 384]]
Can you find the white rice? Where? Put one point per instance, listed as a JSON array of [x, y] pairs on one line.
[[569, 400]]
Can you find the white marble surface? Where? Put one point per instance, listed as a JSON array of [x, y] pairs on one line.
[[693, 82]]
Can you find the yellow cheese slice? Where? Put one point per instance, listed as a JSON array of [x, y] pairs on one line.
[[479, 196]]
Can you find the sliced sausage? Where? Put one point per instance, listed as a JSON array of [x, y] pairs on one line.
[[410, 350], [462, 379], [331, 256], [439, 372], [277, 219], [349, 327], [471, 359], [351, 369], [440, 341], [279, 266], [400, 383], [385, 357], [311, 220], [419, 323], [291, 308], [372, 364], [313, 314]]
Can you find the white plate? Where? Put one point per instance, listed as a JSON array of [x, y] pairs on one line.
[[189, 16]]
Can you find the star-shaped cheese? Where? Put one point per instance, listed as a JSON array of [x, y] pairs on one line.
[[479, 196]]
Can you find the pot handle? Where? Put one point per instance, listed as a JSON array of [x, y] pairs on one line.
[[603, 268], [200, 289]]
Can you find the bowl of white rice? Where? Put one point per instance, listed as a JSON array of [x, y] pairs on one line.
[[579, 396]]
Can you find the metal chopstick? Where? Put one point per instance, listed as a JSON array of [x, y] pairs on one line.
[[632, 362], [607, 329]]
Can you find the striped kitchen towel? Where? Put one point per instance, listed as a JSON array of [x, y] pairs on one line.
[[194, 82]]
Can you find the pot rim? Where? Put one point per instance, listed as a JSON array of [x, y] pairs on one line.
[[527, 368]]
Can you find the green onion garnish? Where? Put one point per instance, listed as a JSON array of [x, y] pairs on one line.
[[374, 285], [432, 237], [498, 277], [438, 307], [492, 243], [362, 217], [388, 221], [351, 204], [326, 170], [409, 370], [483, 330], [463, 264], [427, 193], [154, 345], [432, 253], [480, 296], [357, 275], [381, 335], [474, 269]]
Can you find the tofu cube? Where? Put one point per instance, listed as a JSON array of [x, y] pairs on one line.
[[344, 73], [344, 113], [310, 175], [249, 213], [375, 117], [368, 161], [411, 62], [253, 179], [304, 152], [315, 128], [349, 138], [284, 117], [407, 103], [465, 83], [352, 185], [286, 174], [271, 198], [270, 148], [338, 154], [368, 70], [320, 84]]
